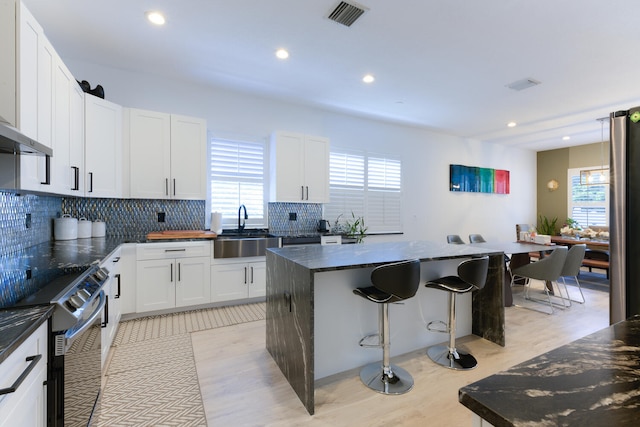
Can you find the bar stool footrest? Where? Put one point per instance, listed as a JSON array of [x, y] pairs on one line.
[[364, 341], [443, 356], [438, 326], [372, 376]]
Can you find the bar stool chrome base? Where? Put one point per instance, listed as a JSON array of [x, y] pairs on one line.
[[398, 381], [451, 359]]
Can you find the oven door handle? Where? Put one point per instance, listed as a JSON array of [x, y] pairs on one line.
[[87, 323]]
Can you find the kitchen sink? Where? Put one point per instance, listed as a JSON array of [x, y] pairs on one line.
[[246, 233], [244, 245]]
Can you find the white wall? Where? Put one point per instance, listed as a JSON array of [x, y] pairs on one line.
[[431, 211]]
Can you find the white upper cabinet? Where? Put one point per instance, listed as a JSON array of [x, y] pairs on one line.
[[76, 142], [36, 61], [103, 148], [167, 154], [299, 168], [8, 68], [60, 162]]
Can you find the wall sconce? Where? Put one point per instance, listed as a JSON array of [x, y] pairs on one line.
[[552, 185]]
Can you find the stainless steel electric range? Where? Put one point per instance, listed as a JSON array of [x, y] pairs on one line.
[[74, 360]]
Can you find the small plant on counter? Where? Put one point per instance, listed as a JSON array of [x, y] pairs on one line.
[[547, 226], [356, 228]]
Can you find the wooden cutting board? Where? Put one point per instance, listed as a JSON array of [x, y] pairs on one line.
[[181, 234]]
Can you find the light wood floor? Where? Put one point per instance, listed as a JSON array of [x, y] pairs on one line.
[[242, 386]]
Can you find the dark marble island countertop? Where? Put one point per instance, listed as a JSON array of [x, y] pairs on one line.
[[593, 381], [319, 258]]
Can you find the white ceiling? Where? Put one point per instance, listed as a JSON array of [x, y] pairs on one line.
[[439, 64]]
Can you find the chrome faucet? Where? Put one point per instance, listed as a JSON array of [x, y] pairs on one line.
[[241, 227]]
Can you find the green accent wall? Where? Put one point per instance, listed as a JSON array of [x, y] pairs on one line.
[[553, 164]]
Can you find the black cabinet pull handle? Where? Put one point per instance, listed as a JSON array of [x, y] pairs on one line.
[[90, 182], [34, 361], [47, 171], [118, 279], [106, 312], [76, 178]]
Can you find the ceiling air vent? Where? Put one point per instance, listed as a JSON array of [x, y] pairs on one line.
[[346, 13], [523, 84]]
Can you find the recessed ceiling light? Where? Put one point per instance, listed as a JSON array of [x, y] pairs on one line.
[[282, 53], [566, 138], [156, 18], [368, 78], [512, 124]]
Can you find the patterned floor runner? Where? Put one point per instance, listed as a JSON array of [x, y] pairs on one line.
[[152, 378]]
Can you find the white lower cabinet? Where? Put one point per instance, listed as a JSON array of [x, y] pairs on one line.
[[238, 278], [113, 310], [170, 275], [128, 278], [26, 407]]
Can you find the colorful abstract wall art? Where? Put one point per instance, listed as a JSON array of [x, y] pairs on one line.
[[473, 179]]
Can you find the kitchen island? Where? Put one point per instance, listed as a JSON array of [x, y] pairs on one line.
[[314, 322], [593, 381]]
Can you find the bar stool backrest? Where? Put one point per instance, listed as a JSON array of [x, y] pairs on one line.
[[474, 271], [400, 279], [476, 238], [455, 239]]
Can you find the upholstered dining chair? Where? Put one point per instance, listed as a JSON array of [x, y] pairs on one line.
[[548, 269], [571, 268]]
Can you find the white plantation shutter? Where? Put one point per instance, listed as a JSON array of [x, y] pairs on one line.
[[237, 176], [384, 185], [588, 204], [367, 186]]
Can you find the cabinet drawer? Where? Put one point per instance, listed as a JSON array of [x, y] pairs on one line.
[[172, 250], [16, 364]]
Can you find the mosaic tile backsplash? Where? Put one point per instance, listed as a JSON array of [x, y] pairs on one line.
[[26, 221], [133, 219], [308, 216], [16, 211]]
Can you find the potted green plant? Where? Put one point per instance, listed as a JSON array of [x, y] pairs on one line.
[[546, 226], [356, 228]]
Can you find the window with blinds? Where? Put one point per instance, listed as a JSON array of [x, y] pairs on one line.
[[588, 204], [237, 178], [367, 185]]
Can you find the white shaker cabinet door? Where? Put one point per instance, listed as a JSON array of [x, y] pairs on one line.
[[287, 167], [155, 286], [193, 284], [149, 153], [188, 158], [103, 148]]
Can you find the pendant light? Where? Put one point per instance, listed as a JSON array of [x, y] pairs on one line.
[[597, 176]]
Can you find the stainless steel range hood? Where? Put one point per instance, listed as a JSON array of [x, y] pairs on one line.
[[14, 142]]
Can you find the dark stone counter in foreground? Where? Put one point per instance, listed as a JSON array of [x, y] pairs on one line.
[[593, 381]]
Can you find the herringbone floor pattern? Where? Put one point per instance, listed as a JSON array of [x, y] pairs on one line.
[[152, 378]]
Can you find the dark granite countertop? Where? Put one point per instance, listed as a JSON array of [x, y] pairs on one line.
[[24, 272], [593, 381], [17, 324], [338, 257]]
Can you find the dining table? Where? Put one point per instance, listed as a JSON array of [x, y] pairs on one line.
[[570, 241], [519, 252]]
